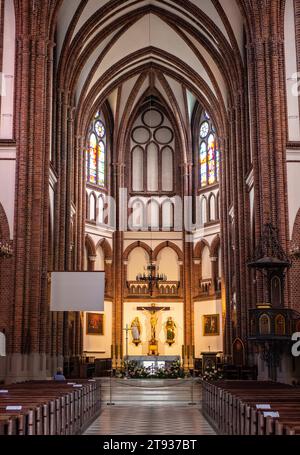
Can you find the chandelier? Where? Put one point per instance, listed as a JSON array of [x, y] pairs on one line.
[[6, 250], [151, 276]]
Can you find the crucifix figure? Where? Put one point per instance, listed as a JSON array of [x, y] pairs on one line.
[[154, 311]]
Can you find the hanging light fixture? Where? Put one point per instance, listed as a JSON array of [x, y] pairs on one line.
[[151, 276]]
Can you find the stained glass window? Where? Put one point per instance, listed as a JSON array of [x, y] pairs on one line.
[[96, 153], [204, 129], [203, 163], [209, 156]]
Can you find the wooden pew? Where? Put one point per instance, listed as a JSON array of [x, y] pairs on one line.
[[231, 407], [49, 407]]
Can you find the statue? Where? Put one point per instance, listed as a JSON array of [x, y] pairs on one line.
[[153, 322], [136, 331], [154, 312], [153, 343], [170, 327]]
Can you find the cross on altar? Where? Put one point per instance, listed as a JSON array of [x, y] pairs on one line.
[[153, 310]]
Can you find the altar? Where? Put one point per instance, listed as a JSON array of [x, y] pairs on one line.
[[154, 362]]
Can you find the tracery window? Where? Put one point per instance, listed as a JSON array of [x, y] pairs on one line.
[[209, 155], [152, 153], [96, 152]]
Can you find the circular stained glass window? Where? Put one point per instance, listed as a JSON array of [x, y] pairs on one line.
[[204, 129], [100, 129]]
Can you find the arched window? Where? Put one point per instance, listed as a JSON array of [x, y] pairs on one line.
[[280, 325], [203, 210], [96, 152], [209, 156], [92, 207], [137, 219], [152, 142], [153, 214], [167, 215], [101, 209], [264, 325], [212, 207]]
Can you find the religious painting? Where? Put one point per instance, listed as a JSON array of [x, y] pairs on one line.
[[94, 324], [211, 325]]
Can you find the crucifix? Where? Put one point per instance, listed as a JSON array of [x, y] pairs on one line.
[[153, 310]]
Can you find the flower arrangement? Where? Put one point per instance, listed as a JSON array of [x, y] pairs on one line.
[[211, 373], [174, 371], [133, 370]]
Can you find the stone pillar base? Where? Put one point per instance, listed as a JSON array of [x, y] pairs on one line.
[[191, 363], [3, 363], [28, 367], [262, 368]]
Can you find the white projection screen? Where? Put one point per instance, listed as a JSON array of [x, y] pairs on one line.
[[77, 291]]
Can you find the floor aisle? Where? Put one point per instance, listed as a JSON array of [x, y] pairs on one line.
[[157, 407]]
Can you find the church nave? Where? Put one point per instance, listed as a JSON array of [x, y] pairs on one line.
[[150, 407]]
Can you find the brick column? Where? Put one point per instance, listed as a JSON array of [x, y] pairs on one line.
[[108, 277], [266, 54], [188, 357], [214, 265], [29, 325], [91, 263], [118, 271]]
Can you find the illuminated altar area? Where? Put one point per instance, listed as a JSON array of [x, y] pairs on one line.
[[164, 349]]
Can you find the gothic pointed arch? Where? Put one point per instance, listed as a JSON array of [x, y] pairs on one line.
[[137, 244], [90, 245], [106, 247], [168, 244], [199, 247], [215, 245]]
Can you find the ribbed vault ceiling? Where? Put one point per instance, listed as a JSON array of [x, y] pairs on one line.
[[119, 50]]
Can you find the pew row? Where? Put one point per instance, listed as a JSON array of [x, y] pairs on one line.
[[48, 407], [242, 407]]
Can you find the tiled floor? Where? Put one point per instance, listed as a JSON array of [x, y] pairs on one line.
[[157, 407]]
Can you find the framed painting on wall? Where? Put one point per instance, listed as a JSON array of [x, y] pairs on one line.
[[211, 325], [94, 324]]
